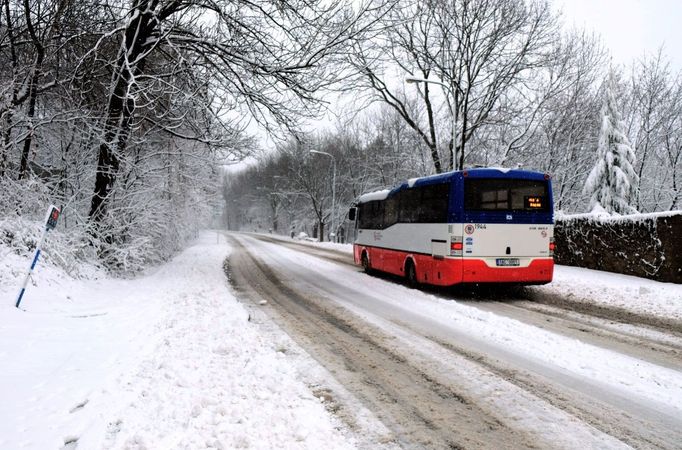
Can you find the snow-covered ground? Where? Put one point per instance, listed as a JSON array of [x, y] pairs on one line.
[[171, 359], [166, 360], [639, 295]]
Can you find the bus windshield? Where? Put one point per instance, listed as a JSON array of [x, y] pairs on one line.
[[503, 194]]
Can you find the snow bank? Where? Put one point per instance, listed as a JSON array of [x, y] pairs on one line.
[[68, 252], [167, 360], [628, 293]]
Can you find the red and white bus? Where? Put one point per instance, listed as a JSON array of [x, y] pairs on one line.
[[470, 226]]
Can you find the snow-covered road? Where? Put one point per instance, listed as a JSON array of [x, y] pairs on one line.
[[579, 382]]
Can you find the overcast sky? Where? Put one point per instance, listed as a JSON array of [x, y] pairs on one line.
[[630, 27]]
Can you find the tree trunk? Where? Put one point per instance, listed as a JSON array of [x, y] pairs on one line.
[[7, 113], [38, 44], [30, 114], [121, 106], [6, 140], [433, 144], [460, 150]]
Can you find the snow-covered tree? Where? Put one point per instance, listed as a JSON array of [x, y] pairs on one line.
[[612, 183]]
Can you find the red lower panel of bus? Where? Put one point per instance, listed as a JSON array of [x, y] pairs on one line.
[[538, 272], [447, 271]]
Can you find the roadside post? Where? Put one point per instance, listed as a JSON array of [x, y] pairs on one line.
[[50, 222]]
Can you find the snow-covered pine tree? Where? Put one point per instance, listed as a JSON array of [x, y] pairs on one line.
[[613, 182]]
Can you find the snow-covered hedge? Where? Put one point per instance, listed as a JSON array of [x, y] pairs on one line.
[[644, 245], [22, 214]]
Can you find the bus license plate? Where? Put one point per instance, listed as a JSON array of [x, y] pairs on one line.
[[507, 262]]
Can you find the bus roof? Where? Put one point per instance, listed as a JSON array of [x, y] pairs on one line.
[[502, 172], [488, 172]]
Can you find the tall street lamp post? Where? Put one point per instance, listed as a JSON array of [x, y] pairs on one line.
[[451, 98], [333, 233]]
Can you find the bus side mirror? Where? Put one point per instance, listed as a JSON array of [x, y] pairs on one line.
[[351, 214]]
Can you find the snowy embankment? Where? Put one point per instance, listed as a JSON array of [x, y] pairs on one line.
[[605, 289], [639, 296], [166, 360]]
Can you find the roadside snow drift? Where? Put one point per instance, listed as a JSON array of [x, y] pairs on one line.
[[163, 361]]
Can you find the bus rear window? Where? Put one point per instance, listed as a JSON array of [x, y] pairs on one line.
[[500, 194]]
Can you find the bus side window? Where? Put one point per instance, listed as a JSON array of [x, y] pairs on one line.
[[373, 211], [409, 205], [372, 215], [363, 215], [390, 211], [434, 203], [379, 215]]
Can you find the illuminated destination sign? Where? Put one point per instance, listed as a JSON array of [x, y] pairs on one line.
[[534, 202]]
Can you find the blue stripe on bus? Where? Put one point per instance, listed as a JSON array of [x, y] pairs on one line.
[[520, 217]]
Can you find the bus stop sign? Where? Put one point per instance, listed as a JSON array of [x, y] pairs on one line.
[[52, 217], [50, 222]]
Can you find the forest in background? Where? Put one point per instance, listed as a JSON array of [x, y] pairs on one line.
[[125, 113], [521, 91]]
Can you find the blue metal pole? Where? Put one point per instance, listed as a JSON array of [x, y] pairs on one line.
[[30, 269]]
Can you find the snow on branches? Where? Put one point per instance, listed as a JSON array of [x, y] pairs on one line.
[[612, 183]]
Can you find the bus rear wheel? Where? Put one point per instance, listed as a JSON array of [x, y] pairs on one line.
[[365, 263], [411, 273]]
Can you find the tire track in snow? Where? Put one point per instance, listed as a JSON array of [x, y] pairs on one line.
[[422, 412], [608, 419], [648, 338], [635, 432], [642, 342]]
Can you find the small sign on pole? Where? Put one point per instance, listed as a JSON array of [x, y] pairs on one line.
[[50, 223]]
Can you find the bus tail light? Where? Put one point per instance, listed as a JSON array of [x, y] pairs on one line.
[[551, 246], [456, 246]]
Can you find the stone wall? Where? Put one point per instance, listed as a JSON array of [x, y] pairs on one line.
[[644, 245]]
